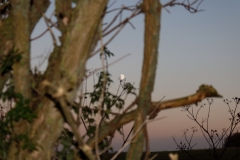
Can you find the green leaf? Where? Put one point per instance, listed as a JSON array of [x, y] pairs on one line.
[[12, 57], [70, 155]]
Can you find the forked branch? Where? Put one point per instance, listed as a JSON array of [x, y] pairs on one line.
[[204, 91]]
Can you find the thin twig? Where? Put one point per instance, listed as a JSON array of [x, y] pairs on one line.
[[188, 6], [110, 64], [35, 38], [101, 100], [86, 149], [154, 156], [122, 23], [122, 8], [116, 33], [134, 134], [111, 4], [49, 28]]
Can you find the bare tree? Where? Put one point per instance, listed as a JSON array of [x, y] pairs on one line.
[[217, 141], [47, 99]]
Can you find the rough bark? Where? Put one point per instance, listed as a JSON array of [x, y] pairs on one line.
[[64, 74], [37, 8], [152, 10], [6, 44], [7, 30], [21, 29]]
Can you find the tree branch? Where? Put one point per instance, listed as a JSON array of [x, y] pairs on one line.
[[204, 91], [34, 13], [109, 128], [152, 10], [87, 150], [186, 4]]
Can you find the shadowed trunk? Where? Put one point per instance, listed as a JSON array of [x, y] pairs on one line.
[[64, 74]]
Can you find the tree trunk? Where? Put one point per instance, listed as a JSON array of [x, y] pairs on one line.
[[152, 10], [62, 78]]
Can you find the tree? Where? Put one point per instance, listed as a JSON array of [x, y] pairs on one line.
[[43, 101], [233, 141]]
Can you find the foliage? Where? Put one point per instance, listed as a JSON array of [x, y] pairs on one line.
[[12, 57], [233, 140], [111, 102], [164, 155], [106, 52], [64, 146], [20, 111], [27, 143]]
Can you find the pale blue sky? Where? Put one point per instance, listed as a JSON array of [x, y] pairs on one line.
[[194, 49]]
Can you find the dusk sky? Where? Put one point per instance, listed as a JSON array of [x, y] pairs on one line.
[[195, 49]]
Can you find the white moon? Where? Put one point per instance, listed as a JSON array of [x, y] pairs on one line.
[[122, 77]]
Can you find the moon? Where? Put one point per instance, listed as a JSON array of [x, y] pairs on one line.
[[122, 77]]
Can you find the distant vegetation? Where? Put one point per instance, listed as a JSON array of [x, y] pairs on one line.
[[233, 141], [200, 154]]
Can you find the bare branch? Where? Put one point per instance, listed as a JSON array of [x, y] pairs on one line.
[[191, 7], [135, 11], [204, 91], [109, 128], [34, 14], [115, 34], [134, 134], [32, 39]]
